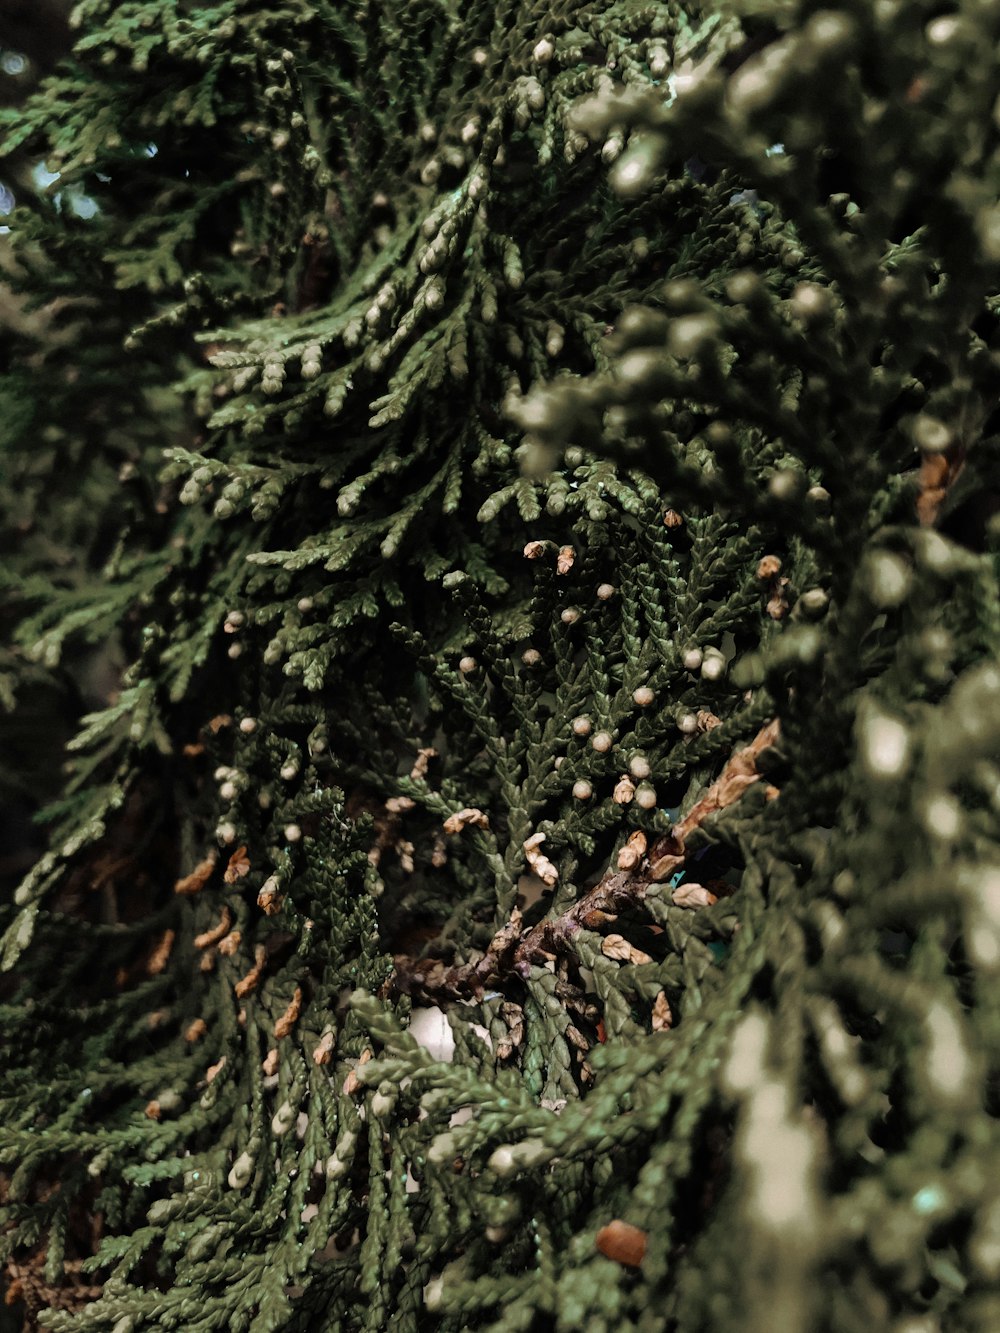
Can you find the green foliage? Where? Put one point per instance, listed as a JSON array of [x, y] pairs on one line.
[[506, 494]]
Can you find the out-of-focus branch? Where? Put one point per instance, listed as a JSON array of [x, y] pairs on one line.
[[38, 29]]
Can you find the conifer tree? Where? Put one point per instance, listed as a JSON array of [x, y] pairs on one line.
[[500, 632]]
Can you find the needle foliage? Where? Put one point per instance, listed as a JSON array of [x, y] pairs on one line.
[[499, 538]]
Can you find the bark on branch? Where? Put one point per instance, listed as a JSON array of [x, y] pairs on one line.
[[514, 951]]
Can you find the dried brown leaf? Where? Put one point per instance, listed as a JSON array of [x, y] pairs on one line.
[[239, 865], [198, 878], [216, 933], [230, 943], [663, 1018], [463, 818], [269, 899], [323, 1050], [738, 774], [161, 953], [424, 756], [288, 1019], [538, 861], [938, 473], [692, 895], [618, 948], [397, 805], [352, 1083], [248, 983]]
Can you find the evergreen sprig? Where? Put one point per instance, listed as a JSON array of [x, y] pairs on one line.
[[504, 495]]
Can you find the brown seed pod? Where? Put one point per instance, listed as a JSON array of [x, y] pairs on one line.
[[622, 1242]]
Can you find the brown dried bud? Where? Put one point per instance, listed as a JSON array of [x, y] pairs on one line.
[[769, 566], [595, 918]]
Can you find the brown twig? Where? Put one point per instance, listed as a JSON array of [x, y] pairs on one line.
[[514, 951]]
